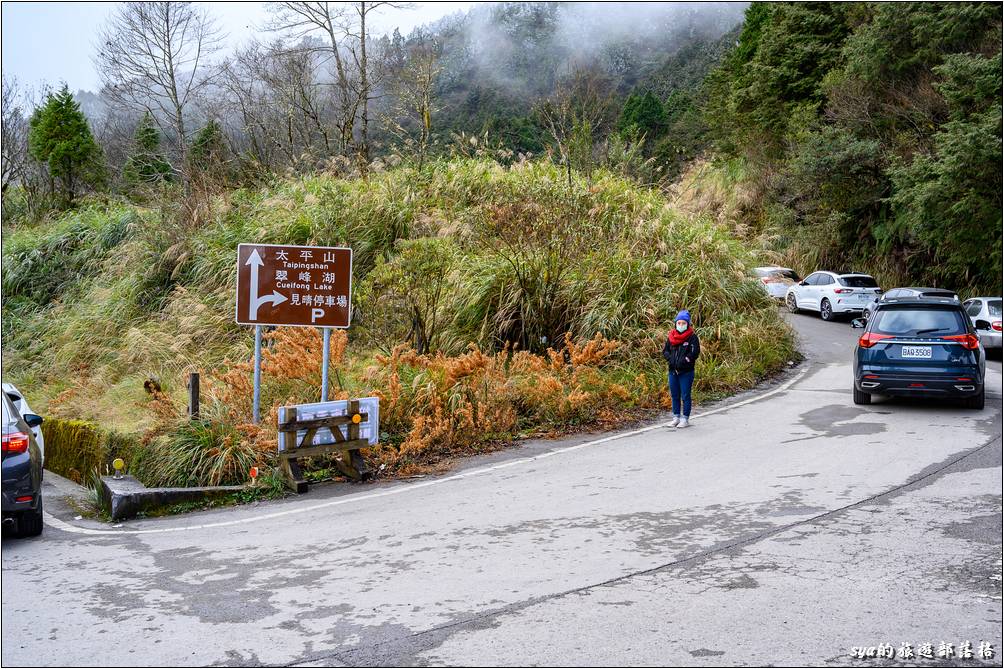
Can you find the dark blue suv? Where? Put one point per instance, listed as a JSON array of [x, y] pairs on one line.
[[919, 347], [22, 470]]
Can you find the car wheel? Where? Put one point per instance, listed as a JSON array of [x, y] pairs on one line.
[[866, 314], [860, 397], [790, 302], [977, 402], [826, 310], [29, 524]]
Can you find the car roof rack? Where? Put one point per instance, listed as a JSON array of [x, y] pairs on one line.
[[921, 299]]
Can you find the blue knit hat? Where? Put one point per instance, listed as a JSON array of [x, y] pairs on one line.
[[683, 316]]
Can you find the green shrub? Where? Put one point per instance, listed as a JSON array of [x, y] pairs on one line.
[[197, 453]]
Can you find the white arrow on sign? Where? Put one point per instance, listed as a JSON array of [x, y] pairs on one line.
[[255, 261]]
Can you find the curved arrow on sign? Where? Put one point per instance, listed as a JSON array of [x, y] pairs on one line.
[[255, 261]]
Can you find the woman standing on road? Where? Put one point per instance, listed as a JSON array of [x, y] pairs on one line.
[[680, 351]]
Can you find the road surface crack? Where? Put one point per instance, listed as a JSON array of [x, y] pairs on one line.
[[432, 637]]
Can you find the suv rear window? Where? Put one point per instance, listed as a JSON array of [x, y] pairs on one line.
[[995, 308], [918, 322], [858, 282]]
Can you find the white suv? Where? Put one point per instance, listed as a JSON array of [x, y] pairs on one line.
[[832, 293]]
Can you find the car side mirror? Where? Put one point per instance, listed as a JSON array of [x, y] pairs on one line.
[[33, 420], [802, 283], [858, 323], [982, 324]]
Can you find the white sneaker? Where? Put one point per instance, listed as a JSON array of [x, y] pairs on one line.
[[675, 421], [684, 422]]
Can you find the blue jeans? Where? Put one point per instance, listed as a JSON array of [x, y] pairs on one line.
[[679, 385]]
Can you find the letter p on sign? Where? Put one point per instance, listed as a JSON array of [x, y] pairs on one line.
[[315, 314]]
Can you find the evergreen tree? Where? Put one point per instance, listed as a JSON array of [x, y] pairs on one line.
[[881, 123], [207, 156], [685, 137], [628, 112], [146, 165], [771, 86], [948, 201], [60, 138], [643, 114]]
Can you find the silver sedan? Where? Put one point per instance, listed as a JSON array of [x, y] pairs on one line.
[[985, 313], [776, 280]]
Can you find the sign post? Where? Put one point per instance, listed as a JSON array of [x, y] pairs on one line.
[[257, 374], [326, 355], [299, 286]]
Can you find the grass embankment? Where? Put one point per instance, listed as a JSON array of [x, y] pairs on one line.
[[535, 308]]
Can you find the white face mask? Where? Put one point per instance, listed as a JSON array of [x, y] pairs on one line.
[[681, 326]]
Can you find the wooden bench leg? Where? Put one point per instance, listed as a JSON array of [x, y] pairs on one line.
[[351, 464], [294, 475], [359, 464]]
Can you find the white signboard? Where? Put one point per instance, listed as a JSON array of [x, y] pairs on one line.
[[369, 429]]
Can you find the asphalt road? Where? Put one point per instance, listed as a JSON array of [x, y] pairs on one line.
[[786, 527]]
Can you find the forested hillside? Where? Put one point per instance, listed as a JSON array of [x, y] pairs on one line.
[[500, 62], [873, 133], [869, 133]]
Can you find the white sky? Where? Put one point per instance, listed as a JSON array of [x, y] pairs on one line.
[[50, 42]]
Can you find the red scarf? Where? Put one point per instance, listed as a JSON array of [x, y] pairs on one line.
[[677, 338]]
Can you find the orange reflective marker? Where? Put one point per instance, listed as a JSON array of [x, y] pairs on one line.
[[356, 418]]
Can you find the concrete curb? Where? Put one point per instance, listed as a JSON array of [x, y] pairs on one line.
[[126, 497]]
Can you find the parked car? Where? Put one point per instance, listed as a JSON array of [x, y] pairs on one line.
[[776, 280], [919, 347], [985, 313], [21, 470], [21, 404], [832, 293], [895, 293]]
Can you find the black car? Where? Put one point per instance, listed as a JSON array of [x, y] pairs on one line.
[[912, 291], [919, 346], [22, 471]]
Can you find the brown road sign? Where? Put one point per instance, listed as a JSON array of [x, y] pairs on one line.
[[294, 285]]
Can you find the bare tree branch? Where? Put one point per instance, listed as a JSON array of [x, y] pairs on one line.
[[14, 138], [154, 56]]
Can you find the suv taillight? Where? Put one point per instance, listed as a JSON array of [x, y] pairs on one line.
[[968, 341], [15, 442], [843, 290], [869, 339], [996, 325]]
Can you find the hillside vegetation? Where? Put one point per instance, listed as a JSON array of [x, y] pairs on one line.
[[491, 302], [531, 191], [872, 134]]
